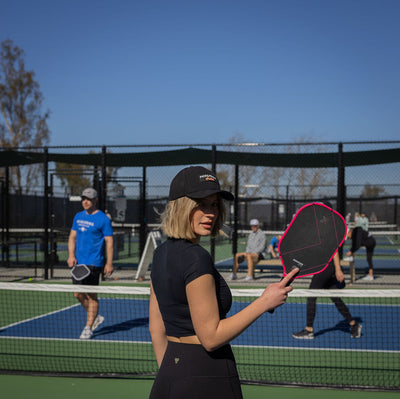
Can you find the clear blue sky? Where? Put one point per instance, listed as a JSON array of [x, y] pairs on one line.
[[202, 71]]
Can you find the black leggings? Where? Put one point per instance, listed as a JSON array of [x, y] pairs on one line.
[[188, 371], [325, 280], [370, 246]]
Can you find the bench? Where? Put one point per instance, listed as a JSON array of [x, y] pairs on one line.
[[265, 263]]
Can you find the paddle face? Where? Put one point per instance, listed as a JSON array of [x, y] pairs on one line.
[[312, 239], [79, 272]]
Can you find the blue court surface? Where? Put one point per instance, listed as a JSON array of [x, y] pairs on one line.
[[383, 251], [380, 265], [380, 332], [127, 320]]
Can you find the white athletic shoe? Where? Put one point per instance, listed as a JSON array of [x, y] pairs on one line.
[[367, 278], [232, 277], [349, 259], [97, 321], [248, 278], [87, 333], [356, 330]]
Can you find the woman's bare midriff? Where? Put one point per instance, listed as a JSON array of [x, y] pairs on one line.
[[192, 339]]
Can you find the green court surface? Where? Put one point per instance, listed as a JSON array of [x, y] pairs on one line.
[[40, 331], [35, 387]]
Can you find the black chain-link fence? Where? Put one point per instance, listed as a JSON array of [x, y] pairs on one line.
[[271, 181]]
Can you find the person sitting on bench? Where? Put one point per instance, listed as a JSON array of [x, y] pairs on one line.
[[255, 251]]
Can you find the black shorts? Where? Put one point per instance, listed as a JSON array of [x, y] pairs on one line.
[[260, 256], [189, 371], [325, 280], [92, 279]]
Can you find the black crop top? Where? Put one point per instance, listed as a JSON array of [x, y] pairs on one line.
[[176, 263]]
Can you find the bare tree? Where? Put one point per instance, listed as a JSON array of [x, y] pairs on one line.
[[75, 177], [372, 191], [307, 180], [254, 180], [78, 177], [22, 122]]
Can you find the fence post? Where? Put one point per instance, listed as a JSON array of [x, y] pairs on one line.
[[213, 168], [46, 213], [341, 189], [236, 212], [142, 216], [6, 218], [103, 195]]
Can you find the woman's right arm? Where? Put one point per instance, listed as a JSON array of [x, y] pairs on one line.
[[214, 332], [157, 328]]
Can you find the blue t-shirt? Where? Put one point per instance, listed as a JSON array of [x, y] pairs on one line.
[[90, 232], [274, 242]]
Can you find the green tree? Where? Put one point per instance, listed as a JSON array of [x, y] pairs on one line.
[[22, 122]]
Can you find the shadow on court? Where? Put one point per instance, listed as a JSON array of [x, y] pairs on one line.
[[123, 326]]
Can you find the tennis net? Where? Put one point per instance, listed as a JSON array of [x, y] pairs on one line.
[[40, 327]]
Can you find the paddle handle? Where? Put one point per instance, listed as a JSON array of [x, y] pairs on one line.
[[288, 283]]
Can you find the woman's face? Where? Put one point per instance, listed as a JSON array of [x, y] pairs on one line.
[[204, 215]]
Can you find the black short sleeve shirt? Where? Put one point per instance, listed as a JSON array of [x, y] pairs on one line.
[[176, 263]]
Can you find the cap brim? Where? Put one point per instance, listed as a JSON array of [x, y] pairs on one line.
[[226, 195]]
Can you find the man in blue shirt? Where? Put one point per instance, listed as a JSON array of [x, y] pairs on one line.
[[91, 232]]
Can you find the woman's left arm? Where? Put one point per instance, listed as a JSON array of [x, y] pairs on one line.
[[157, 328]]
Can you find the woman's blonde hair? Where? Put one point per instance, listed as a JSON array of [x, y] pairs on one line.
[[175, 220]]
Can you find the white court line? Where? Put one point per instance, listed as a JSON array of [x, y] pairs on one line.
[[92, 341], [77, 340], [317, 349], [38, 317]]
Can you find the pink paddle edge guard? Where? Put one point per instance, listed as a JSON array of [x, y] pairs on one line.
[[290, 224]]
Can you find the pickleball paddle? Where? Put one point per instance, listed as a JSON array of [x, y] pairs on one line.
[[311, 240], [79, 272]]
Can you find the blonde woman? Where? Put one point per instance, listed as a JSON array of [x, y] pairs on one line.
[[189, 299]]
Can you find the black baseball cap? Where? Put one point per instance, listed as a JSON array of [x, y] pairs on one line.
[[196, 182]]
